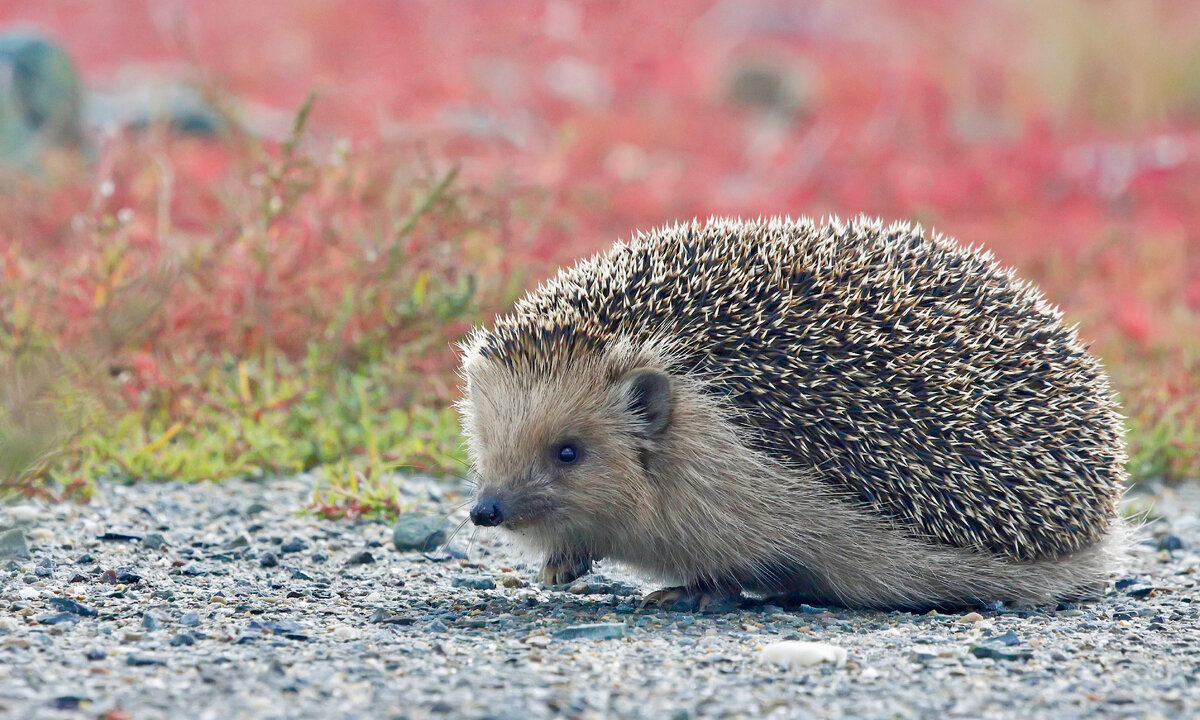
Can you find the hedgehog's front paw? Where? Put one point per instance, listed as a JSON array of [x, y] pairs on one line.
[[561, 569], [701, 599]]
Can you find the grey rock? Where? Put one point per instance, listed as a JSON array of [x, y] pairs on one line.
[[57, 618], [418, 531], [119, 536], [995, 653], [195, 568], [1170, 542], [12, 545], [435, 626], [475, 582], [268, 559], [191, 618], [294, 545], [69, 702], [153, 541], [41, 102], [126, 577], [592, 631], [72, 606], [1007, 639]]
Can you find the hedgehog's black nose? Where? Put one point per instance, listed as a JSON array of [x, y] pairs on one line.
[[487, 512]]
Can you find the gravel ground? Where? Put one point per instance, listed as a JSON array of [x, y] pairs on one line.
[[222, 601]]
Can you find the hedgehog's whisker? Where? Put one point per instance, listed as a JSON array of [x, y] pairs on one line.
[[471, 542], [453, 534], [458, 507], [457, 462]]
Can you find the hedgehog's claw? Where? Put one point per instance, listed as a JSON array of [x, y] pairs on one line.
[[561, 569], [690, 598]]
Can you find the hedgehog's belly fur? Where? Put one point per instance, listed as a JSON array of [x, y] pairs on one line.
[[834, 553]]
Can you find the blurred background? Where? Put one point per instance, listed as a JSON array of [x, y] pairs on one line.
[[240, 238]]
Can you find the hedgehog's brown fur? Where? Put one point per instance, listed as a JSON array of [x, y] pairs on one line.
[[836, 391]]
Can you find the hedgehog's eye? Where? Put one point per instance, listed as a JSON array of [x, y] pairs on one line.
[[567, 454]]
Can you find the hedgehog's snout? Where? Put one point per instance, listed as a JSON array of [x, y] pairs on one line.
[[487, 512]]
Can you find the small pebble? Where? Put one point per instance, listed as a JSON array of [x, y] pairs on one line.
[[995, 653], [592, 631], [293, 546], [72, 606], [362, 557], [23, 514], [475, 582], [195, 569], [57, 618], [435, 626], [792, 654], [1008, 639], [1170, 543]]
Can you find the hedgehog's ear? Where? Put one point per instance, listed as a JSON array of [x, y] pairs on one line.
[[648, 392]]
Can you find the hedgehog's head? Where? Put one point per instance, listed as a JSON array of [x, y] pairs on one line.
[[561, 452]]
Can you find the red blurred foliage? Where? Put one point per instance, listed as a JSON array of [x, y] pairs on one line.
[[1004, 124]]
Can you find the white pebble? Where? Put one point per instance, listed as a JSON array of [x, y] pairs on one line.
[[41, 533], [24, 513], [793, 654]]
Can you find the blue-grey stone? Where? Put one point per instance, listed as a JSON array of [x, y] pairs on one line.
[[57, 618], [475, 582], [436, 626], [191, 618], [68, 605], [418, 531], [995, 653], [592, 631], [12, 545], [41, 105], [1008, 639], [195, 568], [1170, 542], [293, 545], [362, 557]]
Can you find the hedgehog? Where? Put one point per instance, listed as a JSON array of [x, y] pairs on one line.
[[837, 412]]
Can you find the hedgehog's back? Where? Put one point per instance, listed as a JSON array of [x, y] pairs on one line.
[[914, 374]]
